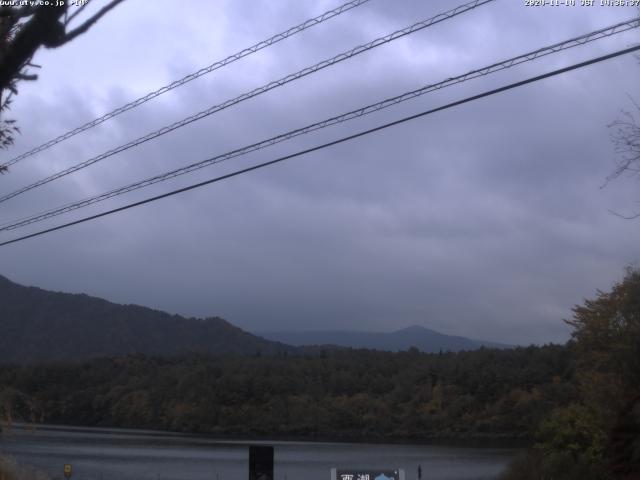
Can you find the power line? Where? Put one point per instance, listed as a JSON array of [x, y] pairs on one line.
[[332, 143], [312, 22], [530, 56], [258, 91]]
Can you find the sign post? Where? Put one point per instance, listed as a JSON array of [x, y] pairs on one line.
[[68, 470], [260, 462]]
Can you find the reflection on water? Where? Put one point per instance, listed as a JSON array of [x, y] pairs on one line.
[[98, 454]]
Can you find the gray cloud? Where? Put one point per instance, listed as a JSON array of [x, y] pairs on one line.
[[486, 220]]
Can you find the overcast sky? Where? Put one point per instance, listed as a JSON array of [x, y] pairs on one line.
[[487, 220]]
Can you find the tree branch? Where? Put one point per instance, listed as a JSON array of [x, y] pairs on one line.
[[626, 217], [21, 37], [26, 76], [75, 14], [21, 12], [87, 24], [42, 29]]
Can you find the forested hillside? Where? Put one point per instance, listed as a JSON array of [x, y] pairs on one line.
[[340, 394], [38, 325]]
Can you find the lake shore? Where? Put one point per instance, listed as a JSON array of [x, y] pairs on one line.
[[476, 441], [128, 454]]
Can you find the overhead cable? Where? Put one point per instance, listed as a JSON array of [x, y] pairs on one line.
[[329, 144], [495, 67], [253, 93], [312, 22]]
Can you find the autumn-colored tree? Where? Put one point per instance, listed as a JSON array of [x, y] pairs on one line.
[[606, 339], [597, 436]]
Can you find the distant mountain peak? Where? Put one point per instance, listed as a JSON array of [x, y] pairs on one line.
[[423, 338], [415, 329]]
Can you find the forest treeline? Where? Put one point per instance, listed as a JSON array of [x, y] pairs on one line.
[[334, 394]]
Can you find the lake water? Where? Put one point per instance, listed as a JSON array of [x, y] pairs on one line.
[[118, 454]]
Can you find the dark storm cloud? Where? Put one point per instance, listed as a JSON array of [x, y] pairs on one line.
[[486, 220]]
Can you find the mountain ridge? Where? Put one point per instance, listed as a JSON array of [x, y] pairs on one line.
[[43, 326], [424, 339]]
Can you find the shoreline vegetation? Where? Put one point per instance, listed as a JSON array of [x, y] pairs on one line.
[[488, 441]]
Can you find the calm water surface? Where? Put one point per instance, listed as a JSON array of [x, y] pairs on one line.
[[98, 454]]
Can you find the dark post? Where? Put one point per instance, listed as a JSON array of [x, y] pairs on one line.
[[260, 462]]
